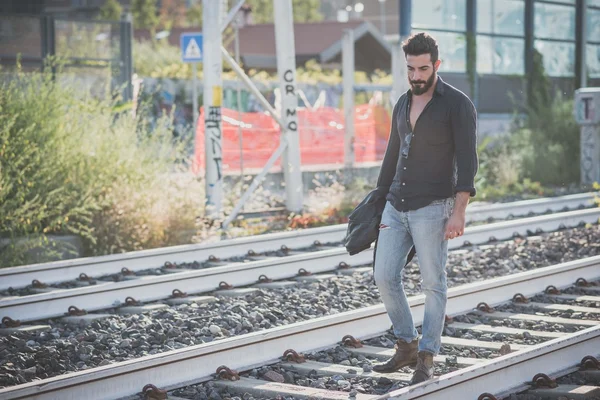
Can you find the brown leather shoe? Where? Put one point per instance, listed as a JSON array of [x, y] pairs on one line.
[[406, 354], [424, 368]]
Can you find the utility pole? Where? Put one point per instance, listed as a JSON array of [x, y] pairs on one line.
[[213, 95], [286, 69], [400, 84], [382, 16], [348, 83]]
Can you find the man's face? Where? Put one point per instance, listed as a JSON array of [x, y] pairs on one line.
[[421, 72]]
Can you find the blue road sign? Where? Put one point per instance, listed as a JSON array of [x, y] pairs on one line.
[[191, 47]]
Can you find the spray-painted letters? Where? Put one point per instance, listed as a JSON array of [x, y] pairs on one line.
[[213, 130], [288, 77], [589, 157]]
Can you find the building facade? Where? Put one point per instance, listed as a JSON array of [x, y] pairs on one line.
[[565, 32]]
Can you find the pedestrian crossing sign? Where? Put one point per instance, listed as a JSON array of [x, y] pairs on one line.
[[191, 47]]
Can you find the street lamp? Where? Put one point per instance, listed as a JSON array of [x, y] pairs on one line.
[[382, 16]]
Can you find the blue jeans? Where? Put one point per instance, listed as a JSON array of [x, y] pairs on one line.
[[398, 232]]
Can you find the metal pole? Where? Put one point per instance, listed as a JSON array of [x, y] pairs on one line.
[[286, 69], [382, 15], [48, 42], [580, 44], [405, 18], [213, 66], [529, 43], [195, 95], [472, 48], [246, 80], [255, 182], [348, 82], [126, 36], [399, 72], [239, 104], [232, 14]]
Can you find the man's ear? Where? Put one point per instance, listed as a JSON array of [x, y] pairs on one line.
[[436, 65]]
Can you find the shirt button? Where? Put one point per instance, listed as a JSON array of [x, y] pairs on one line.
[[403, 200], [403, 183], [405, 168]]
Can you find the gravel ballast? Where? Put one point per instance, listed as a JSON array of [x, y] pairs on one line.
[[67, 348]]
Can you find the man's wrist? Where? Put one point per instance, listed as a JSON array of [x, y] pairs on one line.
[[460, 203]]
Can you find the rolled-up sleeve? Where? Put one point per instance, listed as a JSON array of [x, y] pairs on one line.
[[464, 131]]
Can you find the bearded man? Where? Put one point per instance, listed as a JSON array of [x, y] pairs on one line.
[[428, 171]]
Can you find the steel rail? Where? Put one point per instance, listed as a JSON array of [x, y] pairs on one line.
[[61, 271], [152, 288], [194, 364], [506, 372], [525, 207]]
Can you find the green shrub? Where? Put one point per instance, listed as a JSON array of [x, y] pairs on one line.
[[549, 143], [72, 164], [549, 136]]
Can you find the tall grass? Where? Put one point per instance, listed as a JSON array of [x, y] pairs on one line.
[[71, 164]]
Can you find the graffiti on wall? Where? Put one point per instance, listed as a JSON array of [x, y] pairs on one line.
[[589, 150], [213, 129]]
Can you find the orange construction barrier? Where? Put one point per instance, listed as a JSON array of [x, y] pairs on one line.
[[321, 137]]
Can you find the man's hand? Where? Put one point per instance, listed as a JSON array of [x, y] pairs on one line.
[[455, 226]]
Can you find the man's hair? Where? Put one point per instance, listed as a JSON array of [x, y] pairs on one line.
[[421, 43]]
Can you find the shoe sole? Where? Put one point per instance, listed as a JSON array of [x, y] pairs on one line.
[[407, 364]]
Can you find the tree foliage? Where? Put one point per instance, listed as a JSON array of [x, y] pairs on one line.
[[304, 11], [111, 10], [307, 10], [194, 15], [144, 14]]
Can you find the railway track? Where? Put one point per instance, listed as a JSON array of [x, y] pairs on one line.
[[581, 381], [541, 337], [203, 276], [95, 267], [294, 264]]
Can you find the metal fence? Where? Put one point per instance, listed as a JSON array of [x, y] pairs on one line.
[[95, 52]]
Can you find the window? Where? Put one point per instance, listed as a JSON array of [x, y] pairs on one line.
[[593, 60], [500, 37], [554, 31], [559, 57], [498, 55], [593, 37], [453, 50], [593, 25], [440, 14], [554, 21], [446, 21], [501, 17]]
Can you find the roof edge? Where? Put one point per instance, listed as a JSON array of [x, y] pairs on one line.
[[361, 30]]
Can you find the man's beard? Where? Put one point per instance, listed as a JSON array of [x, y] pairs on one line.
[[425, 85]]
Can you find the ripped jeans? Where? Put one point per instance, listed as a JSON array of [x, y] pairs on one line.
[[398, 232]]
